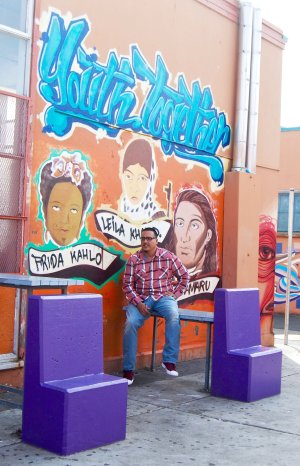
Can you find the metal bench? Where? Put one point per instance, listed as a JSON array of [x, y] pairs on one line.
[[202, 317], [190, 316]]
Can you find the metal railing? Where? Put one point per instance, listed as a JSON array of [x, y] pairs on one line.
[[13, 144]]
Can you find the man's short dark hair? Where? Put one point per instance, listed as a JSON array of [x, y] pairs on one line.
[[153, 229]]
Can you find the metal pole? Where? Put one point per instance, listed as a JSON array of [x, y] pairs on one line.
[[288, 277], [243, 84], [254, 91]]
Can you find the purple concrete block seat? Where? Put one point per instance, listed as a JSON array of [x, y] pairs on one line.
[[254, 351], [242, 369], [88, 381], [69, 403]]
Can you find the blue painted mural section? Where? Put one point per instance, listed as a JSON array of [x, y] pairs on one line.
[[281, 271], [79, 89]]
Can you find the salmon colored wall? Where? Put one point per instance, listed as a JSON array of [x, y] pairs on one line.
[[251, 200], [268, 147], [290, 159], [267, 172], [268, 165], [268, 141], [267, 183], [240, 231]]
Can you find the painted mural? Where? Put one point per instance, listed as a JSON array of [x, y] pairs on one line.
[[281, 271], [266, 275], [195, 240], [266, 263], [103, 96], [65, 190], [128, 145], [137, 205]]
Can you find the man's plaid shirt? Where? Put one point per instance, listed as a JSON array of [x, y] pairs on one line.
[[154, 277]]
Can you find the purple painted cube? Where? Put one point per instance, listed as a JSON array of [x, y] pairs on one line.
[[242, 369], [69, 403]]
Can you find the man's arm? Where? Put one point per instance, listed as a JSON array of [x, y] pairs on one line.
[[182, 276], [129, 284], [129, 288]]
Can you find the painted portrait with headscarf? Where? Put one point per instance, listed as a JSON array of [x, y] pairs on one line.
[[138, 176]]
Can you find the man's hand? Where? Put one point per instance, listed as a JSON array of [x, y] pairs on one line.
[[143, 308], [170, 293]]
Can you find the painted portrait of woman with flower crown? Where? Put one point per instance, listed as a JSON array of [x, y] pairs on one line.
[[65, 192]]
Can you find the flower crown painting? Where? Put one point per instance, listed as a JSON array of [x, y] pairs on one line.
[[65, 187]]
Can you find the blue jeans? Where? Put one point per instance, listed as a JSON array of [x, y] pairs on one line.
[[165, 307]]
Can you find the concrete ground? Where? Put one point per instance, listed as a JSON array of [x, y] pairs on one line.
[[171, 421]]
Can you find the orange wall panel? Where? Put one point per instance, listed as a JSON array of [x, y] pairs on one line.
[[7, 315]]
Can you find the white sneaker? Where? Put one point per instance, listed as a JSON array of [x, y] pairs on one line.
[[129, 375], [170, 368]]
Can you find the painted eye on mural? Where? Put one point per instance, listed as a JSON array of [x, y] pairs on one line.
[[128, 177], [266, 253], [143, 179], [179, 223], [195, 225], [74, 211], [56, 208]]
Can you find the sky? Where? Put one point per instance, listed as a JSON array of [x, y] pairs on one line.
[[285, 14]]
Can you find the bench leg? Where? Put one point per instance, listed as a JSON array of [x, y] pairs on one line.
[[153, 356], [207, 361]]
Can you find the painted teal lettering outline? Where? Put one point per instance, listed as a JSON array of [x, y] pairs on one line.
[[102, 96]]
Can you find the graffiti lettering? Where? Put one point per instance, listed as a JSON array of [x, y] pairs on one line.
[[110, 224], [135, 234], [87, 260], [101, 96], [47, 262], [41, 262], [200, 286], [113, 226], [85, 254]]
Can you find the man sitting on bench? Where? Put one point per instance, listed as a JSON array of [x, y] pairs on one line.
[[153, 280]]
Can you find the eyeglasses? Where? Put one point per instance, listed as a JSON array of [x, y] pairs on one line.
[[147, 238]]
